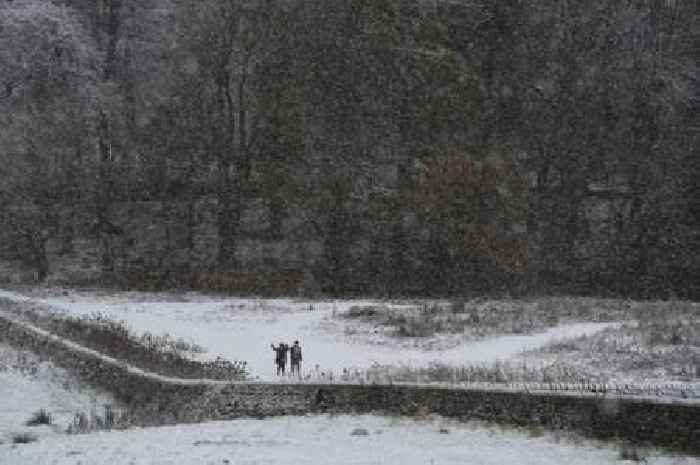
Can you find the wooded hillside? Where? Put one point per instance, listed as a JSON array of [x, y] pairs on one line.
[[352, 146]]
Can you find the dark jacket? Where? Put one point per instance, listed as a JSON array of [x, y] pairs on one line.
[[296, 353], [281, 351]]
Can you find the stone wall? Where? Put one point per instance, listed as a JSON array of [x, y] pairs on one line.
[[675, 426], [155, 400], [151, 400]]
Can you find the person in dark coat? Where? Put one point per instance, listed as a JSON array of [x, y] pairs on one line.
[[280, 356], [295, 356]]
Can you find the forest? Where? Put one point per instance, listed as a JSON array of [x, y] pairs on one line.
[[417, 147]]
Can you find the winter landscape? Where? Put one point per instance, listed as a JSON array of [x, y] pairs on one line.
[[340, 349], [349, 231]]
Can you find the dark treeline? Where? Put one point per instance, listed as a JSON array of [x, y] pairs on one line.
[[431, 147]]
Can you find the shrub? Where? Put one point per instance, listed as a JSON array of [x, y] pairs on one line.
[[431, 309], [360, 432], [23, 438], [108, 417], [39, 418], [671, 332], [81, 424], [111, 419], [474, 318], [397, 320], [458, 306], [415, 327], [629, 451], [535, 431], [364, 313]]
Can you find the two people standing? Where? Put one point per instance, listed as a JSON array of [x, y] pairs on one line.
[[281, 357]]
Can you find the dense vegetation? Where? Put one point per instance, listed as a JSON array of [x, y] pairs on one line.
[[536, 145]]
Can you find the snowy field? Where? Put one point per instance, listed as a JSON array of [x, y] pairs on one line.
[[322, 440], [243, 329], [28, 385]]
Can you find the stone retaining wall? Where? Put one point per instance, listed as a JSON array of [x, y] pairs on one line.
[[151, 399], [672, 425], [156, 400]]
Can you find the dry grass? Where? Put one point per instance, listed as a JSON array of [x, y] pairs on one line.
[[23, 438], [659, 353], [632, 453], [653, 351], [110, 418], [479, 318], [40, 417], [161, 354], [475, 319]]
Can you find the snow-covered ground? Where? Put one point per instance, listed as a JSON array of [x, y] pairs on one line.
[[243, 329], [322, 440], [28, 385]]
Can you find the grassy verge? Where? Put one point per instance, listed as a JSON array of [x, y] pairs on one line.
[[479, 318], [159, 354], [658, 350], [662, 354]]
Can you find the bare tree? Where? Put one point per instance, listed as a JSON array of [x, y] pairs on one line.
[[47, 65]]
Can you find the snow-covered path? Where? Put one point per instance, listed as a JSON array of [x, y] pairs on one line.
[[319, 440], [243, 329]]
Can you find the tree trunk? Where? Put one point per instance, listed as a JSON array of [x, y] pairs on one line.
[[228, 222], [336, 240], [228, 191], [41, 258], [104, 193]]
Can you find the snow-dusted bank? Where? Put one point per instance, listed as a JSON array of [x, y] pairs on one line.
[[28, 385], [242, 329], [322, 440]]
